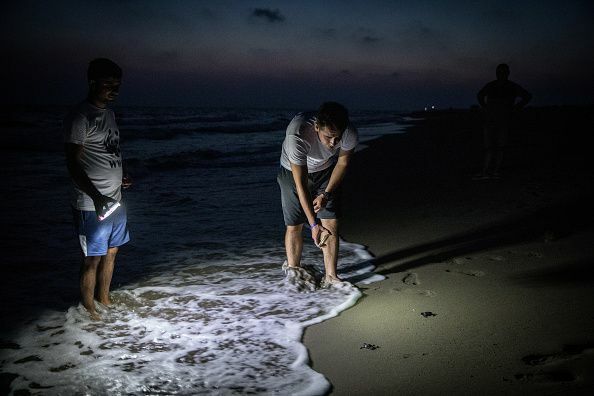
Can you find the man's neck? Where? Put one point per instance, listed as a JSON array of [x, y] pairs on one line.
[[97, 103]]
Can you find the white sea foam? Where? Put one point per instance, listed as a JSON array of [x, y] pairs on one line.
[[231, 327]]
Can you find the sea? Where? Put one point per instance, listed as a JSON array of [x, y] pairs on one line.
[[200, 302]]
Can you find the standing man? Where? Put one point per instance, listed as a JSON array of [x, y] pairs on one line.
[[315, 156], [94, 161], [498, 98]]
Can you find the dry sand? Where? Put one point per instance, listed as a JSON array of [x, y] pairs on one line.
[[489, 285]]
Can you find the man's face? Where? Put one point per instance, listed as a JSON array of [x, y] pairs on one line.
[[502, 73], [105, 90], [328, 137]]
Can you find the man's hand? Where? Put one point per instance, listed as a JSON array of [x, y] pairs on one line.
[[126, 181], [316, 233], [101, 203], [319, 203]]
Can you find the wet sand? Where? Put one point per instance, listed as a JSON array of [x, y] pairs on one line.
[[490, 284]]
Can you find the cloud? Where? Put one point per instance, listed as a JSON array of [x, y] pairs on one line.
[[370, 39], [423, 32], [272, 16], [329, 33], [367, 36]]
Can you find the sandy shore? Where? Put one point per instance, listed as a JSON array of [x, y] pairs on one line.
[[490, 284]]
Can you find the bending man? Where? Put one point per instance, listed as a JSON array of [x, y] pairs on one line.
[[315, 156]]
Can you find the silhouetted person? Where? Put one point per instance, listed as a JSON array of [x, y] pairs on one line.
[[315, 156], [498, 99], [94, 161]]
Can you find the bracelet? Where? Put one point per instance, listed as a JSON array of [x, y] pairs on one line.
[[314, 225]]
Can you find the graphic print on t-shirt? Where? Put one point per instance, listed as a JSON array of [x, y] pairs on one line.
[[112, 146]]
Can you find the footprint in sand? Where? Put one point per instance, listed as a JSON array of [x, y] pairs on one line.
[[530, 253], [462, 260], [496, 257], [550, 236], [534, 254], [475, 273], [547, 376], [411, 279], [425, 293], [569, 352]]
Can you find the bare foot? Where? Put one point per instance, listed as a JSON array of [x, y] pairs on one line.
[[299, 277], [332, 281], [106, 302], [94, 316]]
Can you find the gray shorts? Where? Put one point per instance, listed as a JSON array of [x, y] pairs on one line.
[[317, 182]]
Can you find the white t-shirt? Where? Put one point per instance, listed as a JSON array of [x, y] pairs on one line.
[[302, 146], [96, 130]]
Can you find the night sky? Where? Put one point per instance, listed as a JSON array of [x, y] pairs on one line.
[[399, 55]]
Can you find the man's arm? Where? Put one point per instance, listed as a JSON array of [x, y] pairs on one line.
[[335, 178], [73, 155], [524, 96], [300, 177], [126, 179], [481, 95]]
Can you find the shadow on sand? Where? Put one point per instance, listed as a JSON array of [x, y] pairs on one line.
[[546, 224]]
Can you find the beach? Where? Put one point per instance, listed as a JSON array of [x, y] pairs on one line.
[[488, 286], [489, 283]]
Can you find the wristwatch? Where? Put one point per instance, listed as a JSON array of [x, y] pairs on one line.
[[327, 195]]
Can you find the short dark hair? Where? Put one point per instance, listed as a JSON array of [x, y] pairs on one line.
[[333, 115], [103, 68], [502, 68]]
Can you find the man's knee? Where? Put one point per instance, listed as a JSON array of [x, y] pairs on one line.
[[91, 262], [294, 230], [331, 225]]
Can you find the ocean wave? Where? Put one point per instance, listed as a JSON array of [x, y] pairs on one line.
[[207, 158], [227, 327], [169, 132]]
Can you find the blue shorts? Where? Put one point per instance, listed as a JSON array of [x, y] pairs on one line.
[[95, 236]]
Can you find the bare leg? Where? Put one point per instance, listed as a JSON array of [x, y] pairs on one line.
[[330, 249], [487, 162], [498, 160], [88, 273], [104, 274], [294, 245], [488, 145]]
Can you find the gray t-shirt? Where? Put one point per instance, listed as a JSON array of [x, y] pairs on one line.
[[302, 146], [97, 131]]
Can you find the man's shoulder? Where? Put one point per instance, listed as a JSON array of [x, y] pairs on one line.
[[77, 114], [300, 124], [492, 85], [303, 118], [351, 128], [82, 110]]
